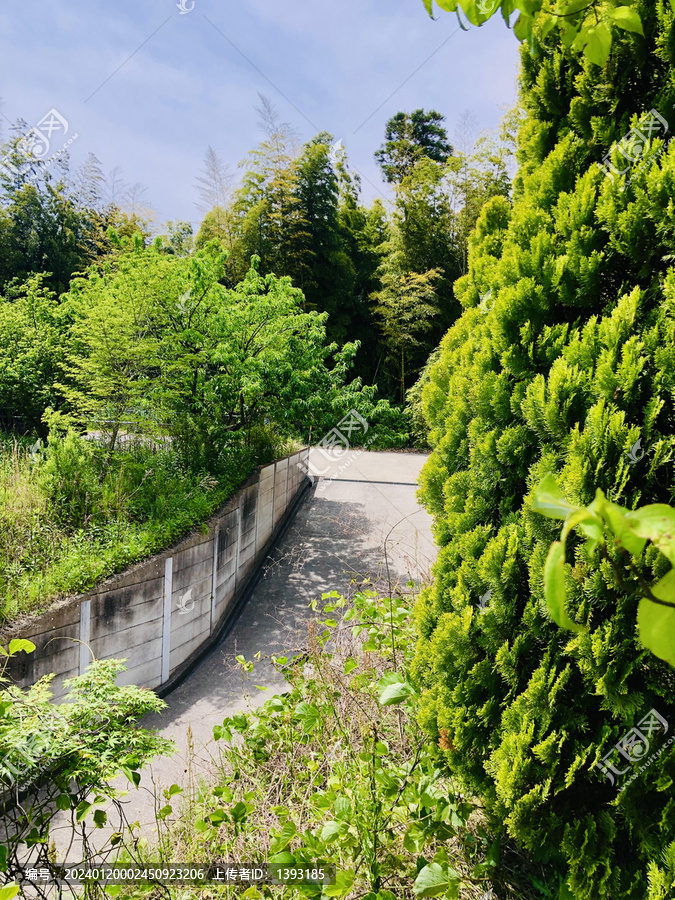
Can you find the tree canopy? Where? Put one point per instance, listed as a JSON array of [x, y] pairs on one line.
[[410, 137]]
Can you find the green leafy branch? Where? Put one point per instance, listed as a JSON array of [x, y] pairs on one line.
[[584, 25], [605, 523]]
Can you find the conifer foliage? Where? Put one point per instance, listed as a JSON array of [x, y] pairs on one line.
[[562, 362]]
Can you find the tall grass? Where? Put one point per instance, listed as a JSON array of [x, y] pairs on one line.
[[70, 515]]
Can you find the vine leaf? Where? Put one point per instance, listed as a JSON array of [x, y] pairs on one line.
[[626, 18], [656, 625]]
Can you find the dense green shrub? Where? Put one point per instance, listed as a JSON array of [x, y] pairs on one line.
[[562, 361], [70, 480]]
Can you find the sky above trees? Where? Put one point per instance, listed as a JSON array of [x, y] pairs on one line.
[[153, 108]]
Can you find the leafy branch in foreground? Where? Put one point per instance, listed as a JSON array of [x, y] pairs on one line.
[[585, 25], [606, 524], [57, 762]]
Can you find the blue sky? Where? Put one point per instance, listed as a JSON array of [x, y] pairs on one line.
[[195, 81]]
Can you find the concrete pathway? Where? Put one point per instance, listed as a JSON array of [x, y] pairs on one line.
[[361, 505]]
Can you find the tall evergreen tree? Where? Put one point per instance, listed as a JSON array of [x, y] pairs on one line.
[[410, 137], [568, 364]]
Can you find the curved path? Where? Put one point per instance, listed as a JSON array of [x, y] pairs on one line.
[[357, 508]]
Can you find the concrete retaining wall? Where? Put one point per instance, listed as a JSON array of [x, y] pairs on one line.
[[160, 614]]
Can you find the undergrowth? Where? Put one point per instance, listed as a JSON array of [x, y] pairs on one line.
[[71, 514], [335, 772]]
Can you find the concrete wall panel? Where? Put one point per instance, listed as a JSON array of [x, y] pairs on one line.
[[128, 615]]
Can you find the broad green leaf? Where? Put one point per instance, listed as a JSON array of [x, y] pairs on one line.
[[554, 587], [350, 665], [396, 693], [657, 524], [222, 733], [549, 501], [281, 840], [390, 678], [308, 714], [656, 625], [523, 27], [100, 818], [283, 859], [239, 812], [431, 881], [414, 839], [471, 12], [568, 32], [589, 523], [63, 801], [617, 518], [343, 808], [529, 7], [626, 18], [19, 644], [548, 23], [82, 809], [9, 891], [343, 884], [330, 831], [599, 43], [665, 588]]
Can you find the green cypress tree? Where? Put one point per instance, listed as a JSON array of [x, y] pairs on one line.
[[563, 359]]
